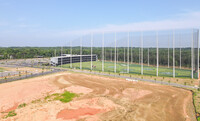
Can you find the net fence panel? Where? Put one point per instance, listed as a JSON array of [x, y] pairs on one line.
[[149, 53], [65, 50], [109, 52], [122, 47], [97, 50], [170, 53], [135, 41], [85, 44], [165, 53], [195, 70], [182, 53], [75, 50]]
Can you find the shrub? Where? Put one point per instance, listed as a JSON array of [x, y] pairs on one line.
[[36, 101], [65, 97], [195, 94], [11, 114], [185, 83], [22, 105], [198, 118]]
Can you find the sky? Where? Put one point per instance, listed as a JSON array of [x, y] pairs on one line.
[[53, 22]]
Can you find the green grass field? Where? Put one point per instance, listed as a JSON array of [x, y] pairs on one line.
[[1, 70], [133, 69]]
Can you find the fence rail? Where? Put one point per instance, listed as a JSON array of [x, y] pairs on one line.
[[28, 76]]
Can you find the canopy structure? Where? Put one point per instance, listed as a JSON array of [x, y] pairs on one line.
[[172, 53]]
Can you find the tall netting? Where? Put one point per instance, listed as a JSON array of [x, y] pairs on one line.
[[98, 50], [87, 41], [135, 53], [167, 53], [122, 52], [195, 51], [109, 52], [150, 53]]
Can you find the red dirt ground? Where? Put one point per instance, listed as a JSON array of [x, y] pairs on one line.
[[100, 98], [77, 113]]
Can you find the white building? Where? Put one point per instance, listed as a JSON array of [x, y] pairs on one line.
[[68, 58]]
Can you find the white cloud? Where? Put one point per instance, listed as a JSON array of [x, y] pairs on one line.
[[21, 19], [47, 37], [22, 25], [3, 23], [181, 21]]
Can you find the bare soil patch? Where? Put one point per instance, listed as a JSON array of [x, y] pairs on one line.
[[79, 89], [100, 98], [77, 113]]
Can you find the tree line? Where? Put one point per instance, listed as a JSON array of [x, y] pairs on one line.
[[109, 54]]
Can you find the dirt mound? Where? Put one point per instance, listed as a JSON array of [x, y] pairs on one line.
[[78, 113], [133, 94], [24, 91], [102, 98], [87, 108], [63, 81], [79, 89]]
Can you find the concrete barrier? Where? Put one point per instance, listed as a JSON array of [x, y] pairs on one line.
[[133, 80]]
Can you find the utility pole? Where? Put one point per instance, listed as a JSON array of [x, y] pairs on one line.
[[148, 56], [131, 51], [61, 55], [124, 55], [168, 51], [192, 54], [128, 55], [103, 53], [180, 50], [91, 49], [115, 52], [198, 53], [111, 54], [70, 53], [142, 53], [173, 55], [81, 52], [157, 53]]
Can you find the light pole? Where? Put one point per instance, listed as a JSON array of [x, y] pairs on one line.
[[128, 55], [91, 49], [115, 52], [173, 55], [103, 53], [157, 53]]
